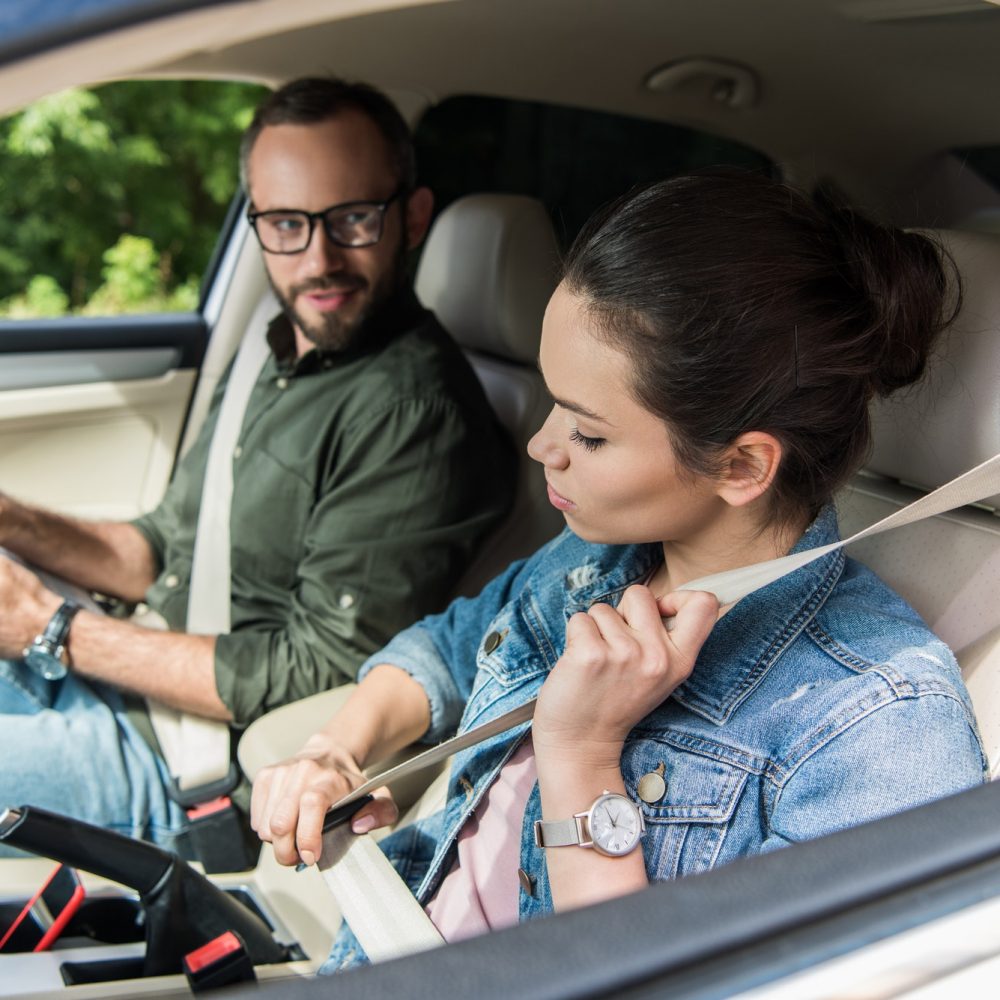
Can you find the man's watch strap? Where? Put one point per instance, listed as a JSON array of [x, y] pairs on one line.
[[53, 638]]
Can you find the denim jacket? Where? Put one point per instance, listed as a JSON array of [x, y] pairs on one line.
[[818, 702]]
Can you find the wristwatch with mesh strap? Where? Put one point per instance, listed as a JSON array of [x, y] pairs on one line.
[[611, 826]]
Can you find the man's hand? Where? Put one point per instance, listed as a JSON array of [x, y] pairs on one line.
[[25, 608]]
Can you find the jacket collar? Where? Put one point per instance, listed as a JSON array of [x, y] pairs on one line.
[[748, 639]]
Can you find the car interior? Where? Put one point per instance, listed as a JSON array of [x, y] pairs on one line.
[[884, 101]]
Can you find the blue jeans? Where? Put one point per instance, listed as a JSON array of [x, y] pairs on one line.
[[69, 747]]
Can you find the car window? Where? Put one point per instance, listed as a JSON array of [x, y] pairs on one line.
[[112, 198], [572, 159]]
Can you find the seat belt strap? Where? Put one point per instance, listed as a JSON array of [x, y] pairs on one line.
[[376, 903], [197, 749], [390, 930]]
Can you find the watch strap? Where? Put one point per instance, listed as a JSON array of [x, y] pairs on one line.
[[57, 631], [560, 832]]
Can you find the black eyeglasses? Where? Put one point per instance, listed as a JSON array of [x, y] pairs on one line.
[[352, 224]]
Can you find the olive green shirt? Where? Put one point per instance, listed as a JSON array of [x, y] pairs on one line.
[[362, 483]]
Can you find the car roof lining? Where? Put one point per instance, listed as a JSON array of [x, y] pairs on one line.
[[826, 94]]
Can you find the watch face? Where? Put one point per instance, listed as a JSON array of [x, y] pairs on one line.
[[615, 825], [47, 666]]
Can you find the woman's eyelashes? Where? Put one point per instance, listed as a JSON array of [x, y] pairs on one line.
[[588, 443]]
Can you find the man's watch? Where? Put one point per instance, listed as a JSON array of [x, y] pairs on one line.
[[611, 826], [47, 653]]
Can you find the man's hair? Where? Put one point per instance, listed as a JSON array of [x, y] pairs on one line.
[[314, 99]]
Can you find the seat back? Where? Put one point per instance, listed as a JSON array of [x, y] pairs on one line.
[[488, 269], [947, 567]]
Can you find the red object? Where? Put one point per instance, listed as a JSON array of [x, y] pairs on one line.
[[57, 900], [209, 807], [208, 954]]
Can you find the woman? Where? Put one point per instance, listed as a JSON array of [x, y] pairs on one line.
[[711, 351]]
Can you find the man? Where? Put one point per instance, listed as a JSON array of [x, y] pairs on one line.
[[369, 465]]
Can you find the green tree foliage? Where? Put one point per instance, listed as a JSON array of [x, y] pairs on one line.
[[111, 199]]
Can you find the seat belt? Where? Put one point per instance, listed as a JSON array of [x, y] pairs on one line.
[[196, 749], [377, 904]]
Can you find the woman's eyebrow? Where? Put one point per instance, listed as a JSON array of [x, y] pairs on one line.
[[567, 404]]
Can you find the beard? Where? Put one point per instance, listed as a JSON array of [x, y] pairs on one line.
[[331, 331]]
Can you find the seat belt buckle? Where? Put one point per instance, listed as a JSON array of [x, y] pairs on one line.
[[221, 962], [217, 836]]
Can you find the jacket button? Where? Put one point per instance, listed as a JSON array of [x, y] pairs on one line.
[[527, 882], [492, 641], [171, 580], [653, 786]]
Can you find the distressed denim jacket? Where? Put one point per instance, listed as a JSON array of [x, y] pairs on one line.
[[818, 702]]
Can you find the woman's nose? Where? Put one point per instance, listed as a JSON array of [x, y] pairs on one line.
[[544, 446]]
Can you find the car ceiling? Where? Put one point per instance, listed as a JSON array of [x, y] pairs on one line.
[[855, 89]]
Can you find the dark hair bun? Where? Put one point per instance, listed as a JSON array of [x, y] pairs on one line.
[[902, 278]]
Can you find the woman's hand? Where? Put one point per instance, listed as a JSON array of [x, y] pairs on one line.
[[618, 665], [291, 798]]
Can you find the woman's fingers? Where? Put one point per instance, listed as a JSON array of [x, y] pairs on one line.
[[694, 614], [639, 609], [382, 811]]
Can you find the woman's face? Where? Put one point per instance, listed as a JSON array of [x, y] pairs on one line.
[[609, 463]]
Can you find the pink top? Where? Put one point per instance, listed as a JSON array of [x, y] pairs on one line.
[[480, 893]]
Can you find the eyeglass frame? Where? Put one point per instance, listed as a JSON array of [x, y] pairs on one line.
[[313, 217]]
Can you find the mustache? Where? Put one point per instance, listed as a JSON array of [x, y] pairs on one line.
[[333, 283]]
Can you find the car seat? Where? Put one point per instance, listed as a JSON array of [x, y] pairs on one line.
[[948, 566], [488, 269]]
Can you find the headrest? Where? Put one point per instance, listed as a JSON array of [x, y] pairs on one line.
[[488, 270], [950, 422]]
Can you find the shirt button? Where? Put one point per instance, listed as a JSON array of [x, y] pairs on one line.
[[282, 383], [237, 451], [346, 601], [171, 580], [492, 641], [527, 882]]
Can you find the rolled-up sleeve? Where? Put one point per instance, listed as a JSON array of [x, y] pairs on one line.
[[439, 653]]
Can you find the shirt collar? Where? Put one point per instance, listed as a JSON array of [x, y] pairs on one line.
[[399, 314], [749, 638]]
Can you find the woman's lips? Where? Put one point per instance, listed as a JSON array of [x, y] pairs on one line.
[[558, 501]]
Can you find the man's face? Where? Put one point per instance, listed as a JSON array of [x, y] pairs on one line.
[[329, 291]]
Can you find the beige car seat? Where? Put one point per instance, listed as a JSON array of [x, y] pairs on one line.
[[487, 271], [948, 566]]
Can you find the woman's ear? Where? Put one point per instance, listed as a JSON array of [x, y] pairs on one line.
[[749, 467]]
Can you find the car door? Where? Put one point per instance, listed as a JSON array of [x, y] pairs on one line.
[[110, 203], [91, 410]]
